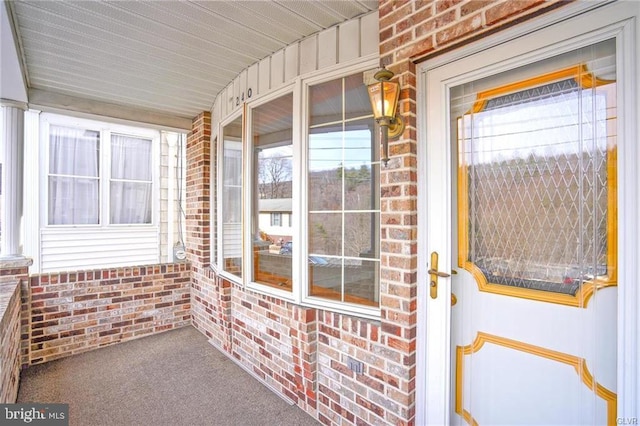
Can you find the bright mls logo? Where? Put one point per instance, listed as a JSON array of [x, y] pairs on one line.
[[34, 414]]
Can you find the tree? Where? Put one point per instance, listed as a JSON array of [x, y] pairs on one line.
[[274, 177]]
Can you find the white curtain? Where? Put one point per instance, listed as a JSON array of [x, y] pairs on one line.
[[73, 176], [131, 180]]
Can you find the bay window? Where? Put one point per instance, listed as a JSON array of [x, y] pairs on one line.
[[312, 150]]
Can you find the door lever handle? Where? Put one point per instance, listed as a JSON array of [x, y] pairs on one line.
[[434, 274], [438, 273]]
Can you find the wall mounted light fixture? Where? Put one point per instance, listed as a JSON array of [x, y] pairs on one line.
[[384, 100]]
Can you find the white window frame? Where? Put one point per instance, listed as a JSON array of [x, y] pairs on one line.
[[248, 201], [217, 263], [307, 299], [105, 130]]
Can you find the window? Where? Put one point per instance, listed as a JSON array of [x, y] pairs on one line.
[[308, 204], [230, 198], [272, 148], [276, 219], [343, 193], [98, 177]]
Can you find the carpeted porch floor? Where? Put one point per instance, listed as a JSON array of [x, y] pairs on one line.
[[174, 378]]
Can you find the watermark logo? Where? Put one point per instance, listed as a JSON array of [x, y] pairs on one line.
[[627, 421], [34, 414]]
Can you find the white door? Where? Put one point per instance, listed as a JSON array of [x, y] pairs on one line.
[[522, 232]]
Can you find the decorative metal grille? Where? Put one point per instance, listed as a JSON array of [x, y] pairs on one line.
[[538, 176]]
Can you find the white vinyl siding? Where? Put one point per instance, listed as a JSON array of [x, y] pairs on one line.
[[105, 244], [64, 249]]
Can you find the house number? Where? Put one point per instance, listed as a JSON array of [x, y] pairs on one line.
[[241, 97]]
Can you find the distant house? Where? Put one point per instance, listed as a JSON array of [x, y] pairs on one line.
[[275, 218]]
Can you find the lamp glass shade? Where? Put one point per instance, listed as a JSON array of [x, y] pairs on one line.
[[384, 99]]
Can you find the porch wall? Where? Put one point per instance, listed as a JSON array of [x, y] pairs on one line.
[[9, 335], [303, 353], [74, 312]]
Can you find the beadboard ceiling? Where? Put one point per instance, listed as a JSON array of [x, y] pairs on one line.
[[172, 57]]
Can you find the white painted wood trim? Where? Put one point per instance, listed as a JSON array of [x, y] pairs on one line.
[[629, 223], [12, 157], [32, 168]]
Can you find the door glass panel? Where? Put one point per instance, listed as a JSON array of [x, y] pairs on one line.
[[537, 171]]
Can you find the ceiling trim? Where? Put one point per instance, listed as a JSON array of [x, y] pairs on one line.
[[56, 102]]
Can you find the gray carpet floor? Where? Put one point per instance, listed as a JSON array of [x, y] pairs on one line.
[[173, 378]]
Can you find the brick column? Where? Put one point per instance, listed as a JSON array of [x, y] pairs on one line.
[[198, 195], [304, 339]]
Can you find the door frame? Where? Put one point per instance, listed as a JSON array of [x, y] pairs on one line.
[[434, 315]]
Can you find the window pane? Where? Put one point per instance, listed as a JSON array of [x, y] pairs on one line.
[[74, 159], [325, 103], [131, 185], [74, 152], [356, 97], [360, 278], [361, 234], [130, 158], [272, 151], [325, 233], [325, 164], [232, 198], [73, 201], [130, 202]]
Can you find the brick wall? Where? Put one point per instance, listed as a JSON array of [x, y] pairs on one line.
[[198, 179], [14, 296], [9, 341], [76, 312]]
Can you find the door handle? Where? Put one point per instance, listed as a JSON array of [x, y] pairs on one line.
[[438, 273], [434, 274]]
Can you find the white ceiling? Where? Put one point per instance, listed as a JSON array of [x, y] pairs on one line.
[[171, 57]]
